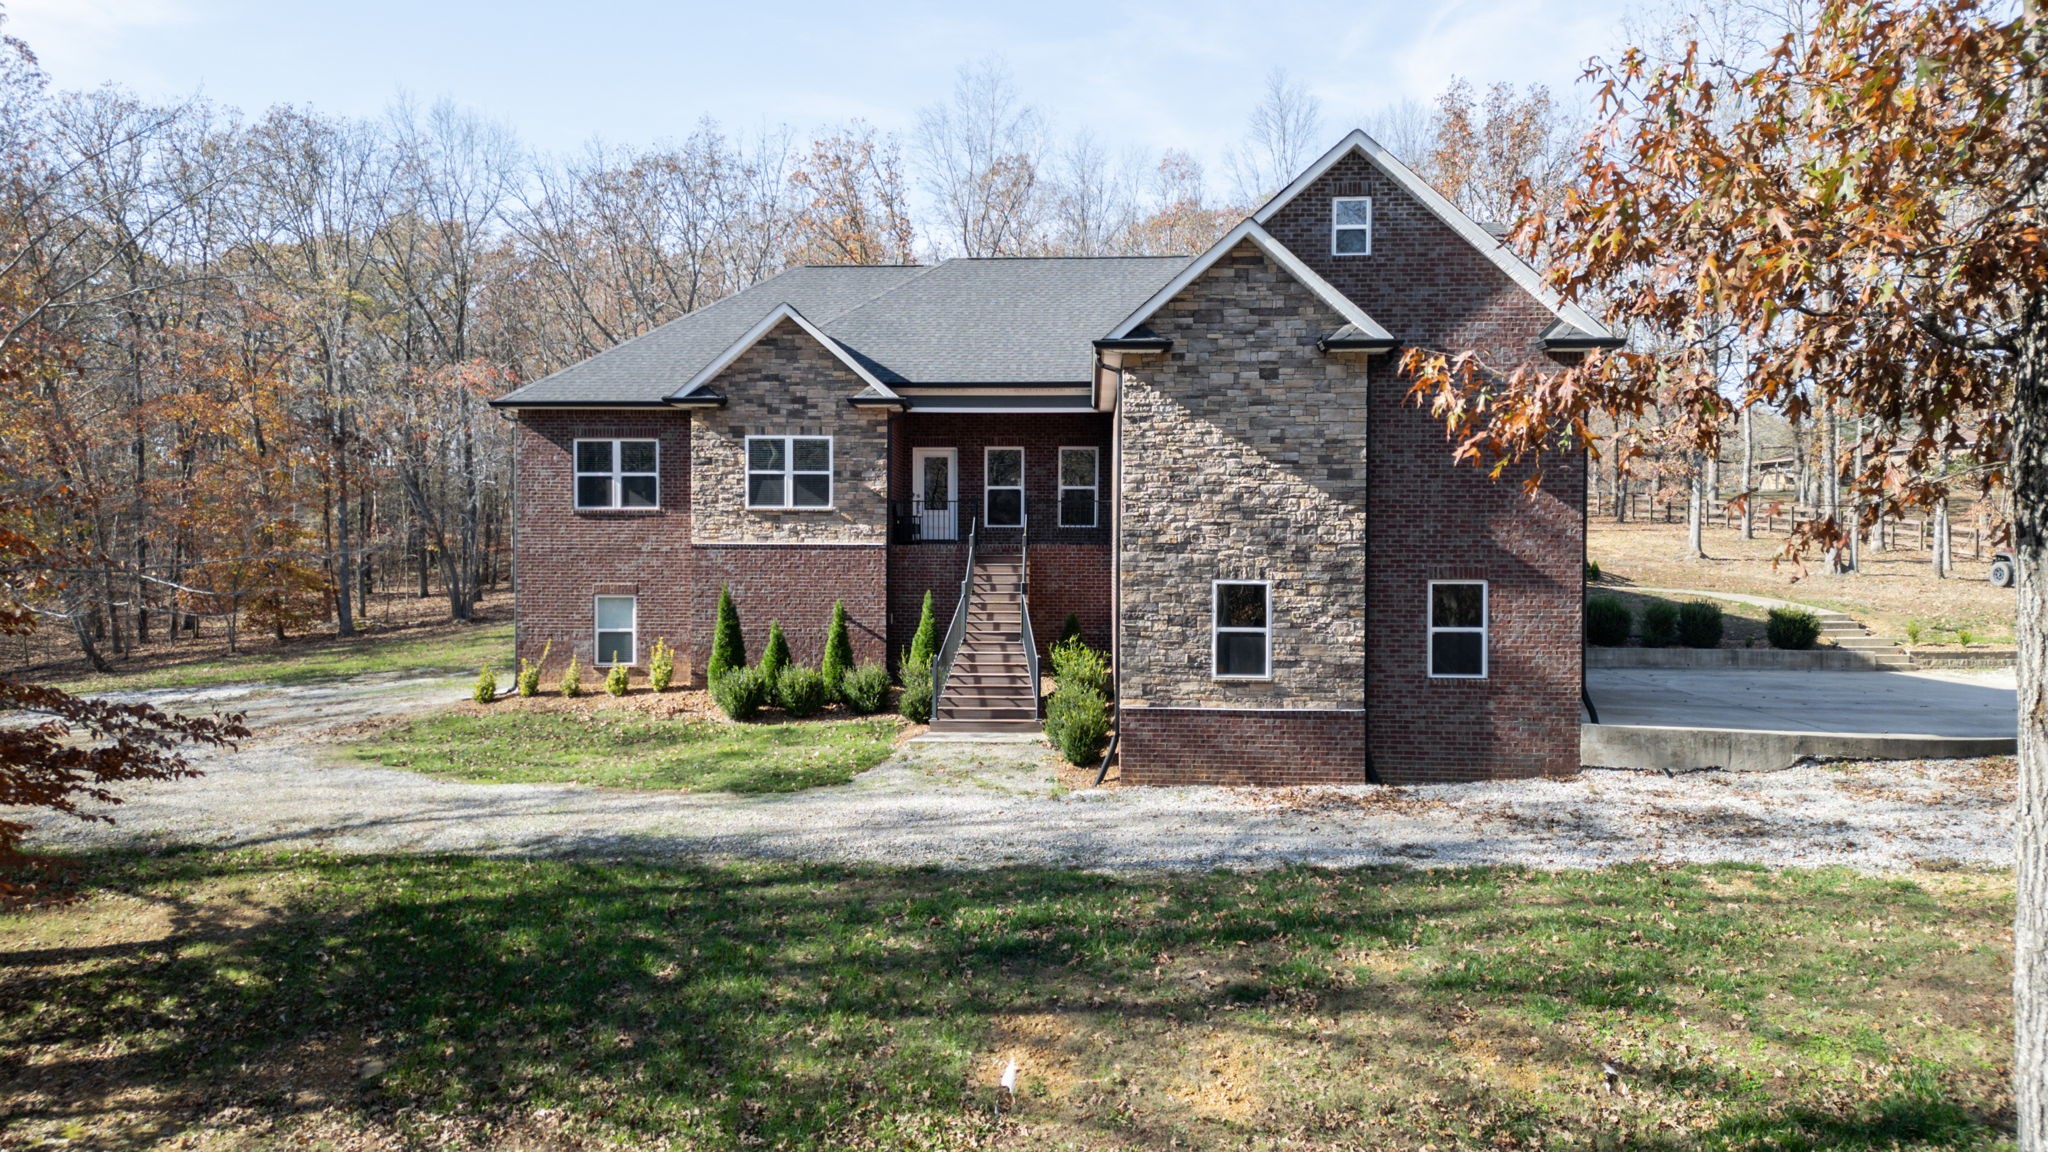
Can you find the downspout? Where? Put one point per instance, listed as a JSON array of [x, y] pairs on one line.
[[1372, 772], [1585, 693]]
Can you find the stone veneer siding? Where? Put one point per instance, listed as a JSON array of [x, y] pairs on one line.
[[564, 557], [1244, 458], [787, 384], [1433, 519]]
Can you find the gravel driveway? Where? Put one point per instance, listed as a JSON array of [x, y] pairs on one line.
[[983, 805]]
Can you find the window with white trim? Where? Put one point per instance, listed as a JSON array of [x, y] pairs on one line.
[[1242, 630], [618, 474], [617, 619], [1351, 226], [1080, 471], [789, 471], [1457, 629], [1003, 487]]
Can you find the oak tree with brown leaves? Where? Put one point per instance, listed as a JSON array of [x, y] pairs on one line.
[[1869, 204]]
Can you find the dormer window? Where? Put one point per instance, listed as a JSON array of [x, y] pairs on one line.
[[1351, 226]]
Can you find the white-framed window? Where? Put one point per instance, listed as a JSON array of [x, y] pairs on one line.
[[789, 472], [1351, 226], [1002, 488], [1457, 629], [618, 474], [1080, 472], [617, 620], [1242, 630]]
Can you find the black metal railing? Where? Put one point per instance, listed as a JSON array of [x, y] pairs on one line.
[[942, 665], [1024, 614], [1074, 521]]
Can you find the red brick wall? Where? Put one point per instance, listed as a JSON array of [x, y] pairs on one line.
[[1432, 519], [565, 557], [794, 585], [1069, 578], [1241, 746]]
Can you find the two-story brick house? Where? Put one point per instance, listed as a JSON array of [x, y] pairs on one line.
[[1211, 461]]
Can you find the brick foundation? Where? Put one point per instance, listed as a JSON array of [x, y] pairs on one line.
[[794, 586], [1241, 746]]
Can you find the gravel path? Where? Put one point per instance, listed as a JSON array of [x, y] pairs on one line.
[[984, 805]]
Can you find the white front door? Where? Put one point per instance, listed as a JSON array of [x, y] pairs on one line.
[[935, 492]]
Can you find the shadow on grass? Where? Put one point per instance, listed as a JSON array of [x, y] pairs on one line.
[[813, 1006]]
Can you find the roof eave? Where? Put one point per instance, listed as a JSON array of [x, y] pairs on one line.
[[1367, 345], [1583, 343], [1139, 344], [512, 402], [697, 399]]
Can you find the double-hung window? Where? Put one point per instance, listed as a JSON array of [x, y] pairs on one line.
[[1003, 488], [1242, 630], [618, 474], [617, 624], [789, 471], [1079, 473], [1457, 629], [1351, 226]]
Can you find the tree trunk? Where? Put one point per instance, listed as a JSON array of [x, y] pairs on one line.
[[1748, 472], [2030, 548], [1696, 511], [1941, 553]]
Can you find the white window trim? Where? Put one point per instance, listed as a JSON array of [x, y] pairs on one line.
[[576, 473], [597, 633], [1023, 475], [789, 474], [1094, 489], [1484, 630], [1336, 228], [1216, 631]]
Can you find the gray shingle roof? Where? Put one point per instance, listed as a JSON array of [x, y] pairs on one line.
[[998, 321], [651, 366], [1020, 321]]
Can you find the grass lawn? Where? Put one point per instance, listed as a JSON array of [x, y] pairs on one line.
[[625, 747], [418, 651], [1895, 588], [303, 1000]]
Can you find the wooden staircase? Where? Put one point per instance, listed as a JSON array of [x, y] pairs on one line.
[[989, 688]]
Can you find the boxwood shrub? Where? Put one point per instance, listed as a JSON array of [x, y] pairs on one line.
[[1608, 622], [740, 693], [1792, 628], [1660, 624], [1699, 624]]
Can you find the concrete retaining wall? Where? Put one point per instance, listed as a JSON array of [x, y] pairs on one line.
[[1738, 750], [1815, 659], [1973, 658]]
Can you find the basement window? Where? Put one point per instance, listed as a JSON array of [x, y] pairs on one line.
[[1242, 647], [789, 472], [617, 627], [1457, 629], [1351, 226], [618, 474]]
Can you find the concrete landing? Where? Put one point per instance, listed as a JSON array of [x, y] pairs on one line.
[[1753, 720]]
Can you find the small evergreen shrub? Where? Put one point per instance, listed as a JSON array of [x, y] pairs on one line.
[[1077, 721], [1592, 571], [838, 659], [915, 704], [1914, 629], [529, 671], [801, 690], [617, 680], [728, 647], [774, 658], [866, 688], [1608, 622], [1794, 629], [1071, 630], [1965, 637], [740, 693], [661, 666], [1699, 624], [486, 689], [924, 644], [1076, 665], [572, 679], [1660, 624]]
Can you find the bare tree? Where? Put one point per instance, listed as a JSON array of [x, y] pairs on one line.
[[981, 155], [1282, 136]]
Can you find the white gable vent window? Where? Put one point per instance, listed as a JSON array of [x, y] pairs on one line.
[[1351, 226]]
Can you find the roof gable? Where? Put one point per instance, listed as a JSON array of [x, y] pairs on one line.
[[1577, 319], [783, 312], [1249, 230]]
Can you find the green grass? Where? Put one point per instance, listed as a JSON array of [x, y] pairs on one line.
[[537, 1003], [619, 748], [421, 652]]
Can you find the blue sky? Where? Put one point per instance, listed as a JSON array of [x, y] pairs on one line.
[[1144, 75]]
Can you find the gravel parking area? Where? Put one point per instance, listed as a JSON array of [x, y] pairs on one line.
[[989, 805]]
